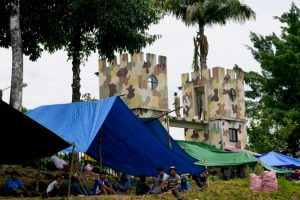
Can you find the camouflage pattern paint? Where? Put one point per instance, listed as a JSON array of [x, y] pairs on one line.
[[224, 102], [222, 110], [131, 79]]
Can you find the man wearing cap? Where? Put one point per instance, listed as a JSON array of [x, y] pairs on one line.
[[173, 182]]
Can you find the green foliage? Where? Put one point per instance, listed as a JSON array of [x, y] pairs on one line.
[[24, 110], [258, 169], [273, 103], [101, 25], [86, 97], [81, 27], [33, 21], [209, 12]]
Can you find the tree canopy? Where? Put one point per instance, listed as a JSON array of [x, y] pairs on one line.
[[84, 26], [273, 104], [33, 17], [81, 27]]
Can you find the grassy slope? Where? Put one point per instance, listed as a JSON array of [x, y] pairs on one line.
[[227, 190], [218, 189]]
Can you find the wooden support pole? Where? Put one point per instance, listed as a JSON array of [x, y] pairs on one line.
[[71, 169], [100, 152]]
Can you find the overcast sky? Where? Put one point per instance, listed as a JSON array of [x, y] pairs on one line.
[[49, 79]]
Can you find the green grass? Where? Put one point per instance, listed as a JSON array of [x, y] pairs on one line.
[[218, 189], [222, 190]]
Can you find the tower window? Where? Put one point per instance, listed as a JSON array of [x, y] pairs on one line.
[[152, 82], [233, 136], [232, 94]]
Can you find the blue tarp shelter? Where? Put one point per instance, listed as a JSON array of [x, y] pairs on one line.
[[23, 139], [126, 144], [157, 129], [279, 160]]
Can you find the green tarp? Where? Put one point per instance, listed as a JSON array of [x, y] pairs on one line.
[[275, 169], [213, 157]]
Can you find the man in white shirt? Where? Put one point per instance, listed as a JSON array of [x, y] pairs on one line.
[[161, 182], [54, 187]]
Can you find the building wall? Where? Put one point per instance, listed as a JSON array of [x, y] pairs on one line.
[[131, 80], [221, 111]]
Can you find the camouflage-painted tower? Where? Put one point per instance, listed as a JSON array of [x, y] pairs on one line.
[[217, 100], [142, 83]]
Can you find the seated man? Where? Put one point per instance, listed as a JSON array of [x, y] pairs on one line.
[[102, 185], [14, 187], [123, 185], [161, 183], [295, 175], [173, 182], [201, 179], [185, 184], [142, 188], [54, 187]]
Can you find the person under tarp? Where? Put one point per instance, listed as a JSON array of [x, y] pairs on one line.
[[110, 129]]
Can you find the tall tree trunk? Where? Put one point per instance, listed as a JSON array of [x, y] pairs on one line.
[[17, 56], [203, 44], [76, 82], [196, 66], [76, 67]]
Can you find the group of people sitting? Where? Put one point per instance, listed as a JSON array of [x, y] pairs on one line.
[[170, 182], [15, 187], [295, 175]]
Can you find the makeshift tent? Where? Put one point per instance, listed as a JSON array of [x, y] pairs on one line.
[[126, 144], [238, 150], [157, 129], [23, 139], [211, 156], [275, 169], [279, 160]]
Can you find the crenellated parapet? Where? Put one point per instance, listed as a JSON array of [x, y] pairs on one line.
[[141, 79], [216, 73], [223, 90]]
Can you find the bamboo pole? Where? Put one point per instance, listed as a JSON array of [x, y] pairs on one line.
[[168, 129], [71, 169], [207, 173], [162, 115], [100, 152]]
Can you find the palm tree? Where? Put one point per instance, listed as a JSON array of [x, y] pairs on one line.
[[207, 13]]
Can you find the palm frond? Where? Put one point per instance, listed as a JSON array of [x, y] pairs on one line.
[[228, 10]]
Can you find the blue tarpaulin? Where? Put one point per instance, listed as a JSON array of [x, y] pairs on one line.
[[279, 160], [157, 129], [126, 144]]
